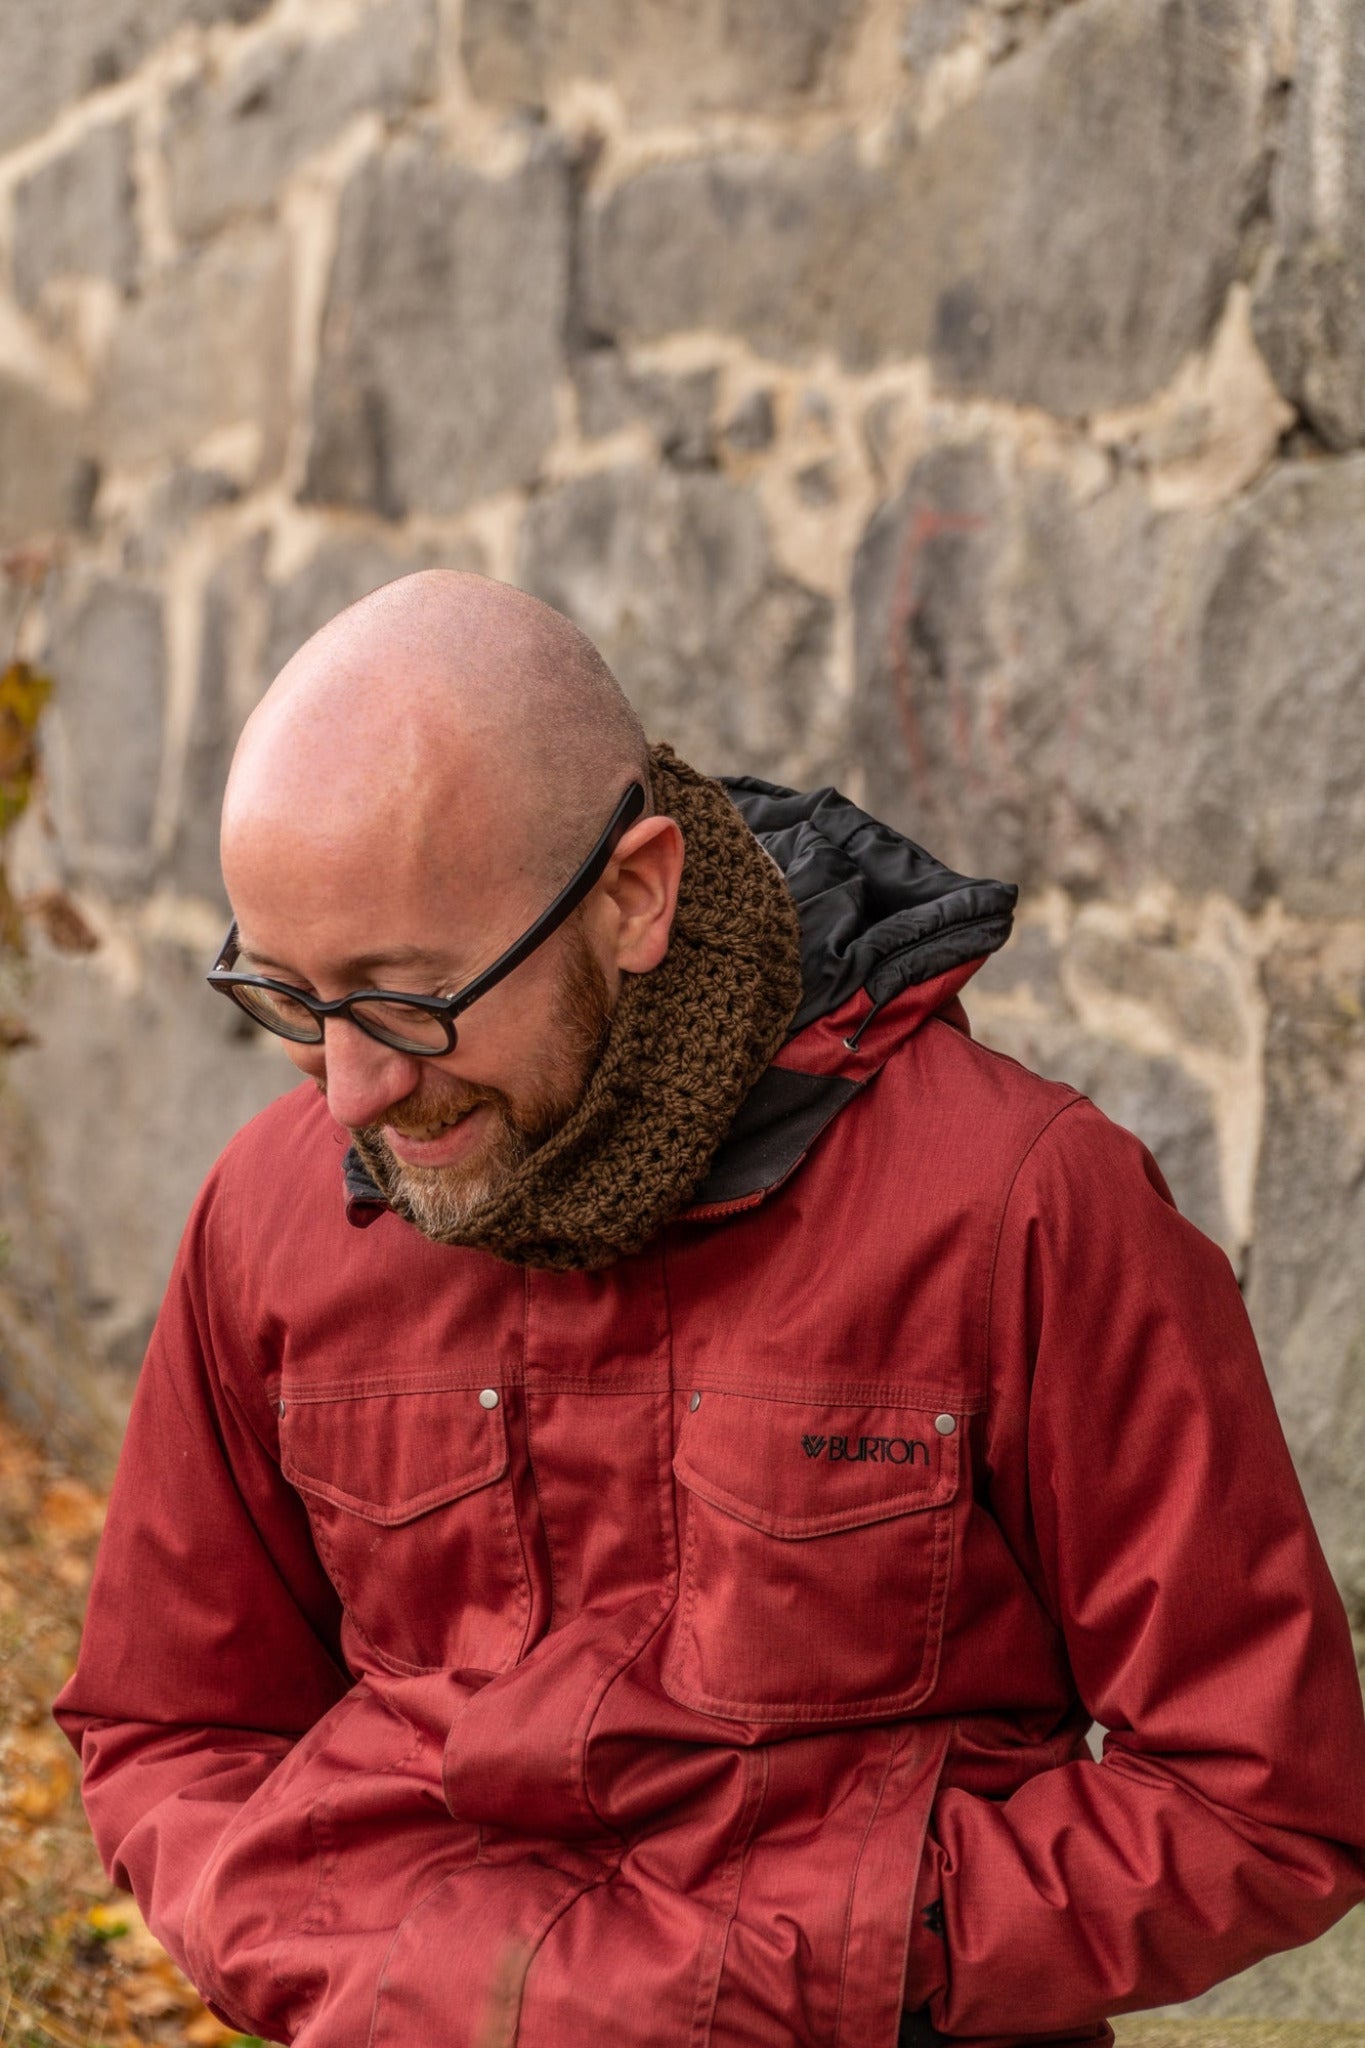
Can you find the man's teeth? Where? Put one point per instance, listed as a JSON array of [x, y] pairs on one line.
[[433, 1130]]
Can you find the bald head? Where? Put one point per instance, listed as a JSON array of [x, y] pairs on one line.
[[439, 708], [405, 801]]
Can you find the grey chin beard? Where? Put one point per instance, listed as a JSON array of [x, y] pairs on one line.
[[443, 1211]]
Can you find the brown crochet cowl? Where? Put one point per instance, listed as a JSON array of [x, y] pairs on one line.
[[687, 1042]]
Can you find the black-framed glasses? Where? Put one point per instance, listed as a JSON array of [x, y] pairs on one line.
[[424, 1025]]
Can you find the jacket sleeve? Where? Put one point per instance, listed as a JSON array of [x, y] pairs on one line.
[[1141, 1476], [210, 1641]]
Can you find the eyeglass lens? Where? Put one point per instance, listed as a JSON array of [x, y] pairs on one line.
[[278, 1013], [401, 1025]]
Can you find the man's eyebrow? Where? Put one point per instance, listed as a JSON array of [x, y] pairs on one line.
[[364, 964]]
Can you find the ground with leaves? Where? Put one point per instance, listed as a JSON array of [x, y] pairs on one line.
[[78, 1968]]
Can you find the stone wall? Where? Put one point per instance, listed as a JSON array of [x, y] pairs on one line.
[[960, 400]]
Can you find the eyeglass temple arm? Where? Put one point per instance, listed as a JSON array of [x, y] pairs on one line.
[[570, 896]]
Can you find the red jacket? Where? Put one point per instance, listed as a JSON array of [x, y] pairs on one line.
[[702, 1651]]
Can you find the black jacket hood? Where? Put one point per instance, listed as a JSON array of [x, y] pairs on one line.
[[877, 912]]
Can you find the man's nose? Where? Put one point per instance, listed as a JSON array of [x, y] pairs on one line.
[[363, 1077]]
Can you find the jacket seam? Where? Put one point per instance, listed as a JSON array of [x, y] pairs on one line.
[[864, 1839], [1024, 1157], [552, 1599]]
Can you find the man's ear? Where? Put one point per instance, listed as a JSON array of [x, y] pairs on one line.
[[639, 894]]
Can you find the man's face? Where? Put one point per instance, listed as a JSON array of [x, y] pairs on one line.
[[452, 1143], [439, 1135]]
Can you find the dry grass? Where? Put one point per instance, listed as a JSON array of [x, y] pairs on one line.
[[78, 1968]]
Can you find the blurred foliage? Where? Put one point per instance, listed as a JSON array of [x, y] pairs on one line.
[[24, 695], [78, 1968], [24, 692]]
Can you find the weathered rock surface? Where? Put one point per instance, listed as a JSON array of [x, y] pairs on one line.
[[1190, 996], [1311, 319], [44, 471], [152, 1082], [229, 684], [108, 647], [663, 58], [231, 140], [54, 53], [1304, 1294], [678, 410], [443, 335], [1064, 240], [75, 216], [206, 348], [672, 576], [997, 28], [1095, 693]]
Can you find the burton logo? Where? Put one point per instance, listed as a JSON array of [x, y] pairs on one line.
[[866, 1450]]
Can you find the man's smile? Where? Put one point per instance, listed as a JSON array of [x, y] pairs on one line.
[[440, 1142]]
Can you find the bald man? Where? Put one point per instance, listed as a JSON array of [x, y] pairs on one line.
[[654, 1457]]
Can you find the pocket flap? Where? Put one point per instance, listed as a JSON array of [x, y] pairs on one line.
[[391, 1456], [798, 1469]]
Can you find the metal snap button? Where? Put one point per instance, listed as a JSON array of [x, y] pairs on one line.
[[281, 1406], [695, 1403], [945, 1424], [488, 1398]]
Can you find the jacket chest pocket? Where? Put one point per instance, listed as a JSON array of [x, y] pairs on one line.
[[816, 1558], [411, 1509]]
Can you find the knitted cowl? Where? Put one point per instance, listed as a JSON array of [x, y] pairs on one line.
[[687, 1042]]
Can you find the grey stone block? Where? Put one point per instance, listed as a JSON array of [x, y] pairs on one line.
[[1274, 797], [1063, 240], [56, 51], [664, 57], [932, 28], [44, 469], [672, 575], [1307, 1289], [206, 347], [108, 655], [752, 426], [151, 1084], [232, 140], [1092, 693], [229, 684], [679, 411], [443, 334], [1191, 995], [75, 216], [1310, 320]]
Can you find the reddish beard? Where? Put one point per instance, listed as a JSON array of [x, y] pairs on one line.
[[439, 1199]]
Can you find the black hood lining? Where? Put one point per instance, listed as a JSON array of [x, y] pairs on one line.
[[877, 912]]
